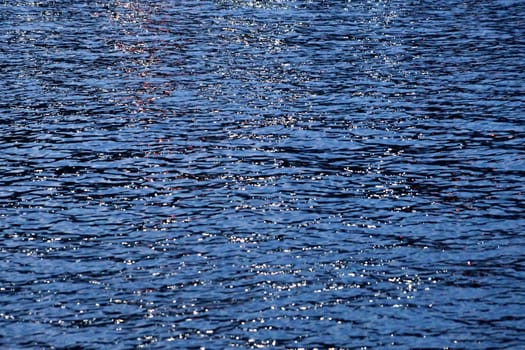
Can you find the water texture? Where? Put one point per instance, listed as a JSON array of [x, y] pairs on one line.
[[245, 174]]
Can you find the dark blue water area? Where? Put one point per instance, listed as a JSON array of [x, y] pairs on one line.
[[275, 174]]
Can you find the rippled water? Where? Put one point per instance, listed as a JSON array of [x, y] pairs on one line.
[[290, 174]]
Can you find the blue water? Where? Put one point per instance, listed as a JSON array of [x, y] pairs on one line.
[[245, 174]]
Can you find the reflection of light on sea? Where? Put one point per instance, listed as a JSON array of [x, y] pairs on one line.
[[141, 49], [257, 4]]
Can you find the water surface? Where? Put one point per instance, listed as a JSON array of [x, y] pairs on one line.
[[241, 174]]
